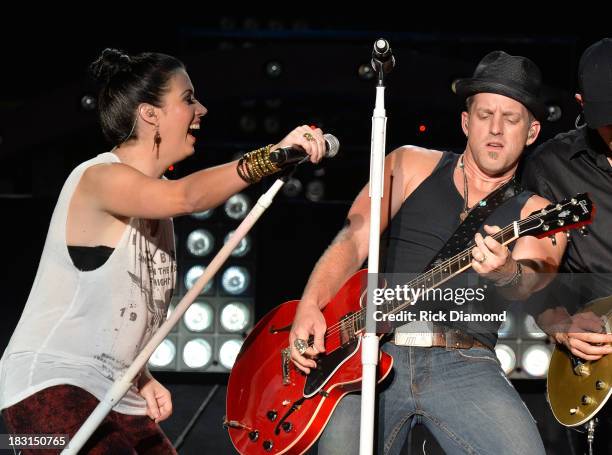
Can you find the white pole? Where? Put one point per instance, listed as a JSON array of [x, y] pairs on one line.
[[122, 384], [369, 348]]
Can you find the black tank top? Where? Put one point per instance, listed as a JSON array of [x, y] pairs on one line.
[[422, 226]]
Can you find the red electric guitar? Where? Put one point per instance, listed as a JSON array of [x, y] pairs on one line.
[[273, 408]]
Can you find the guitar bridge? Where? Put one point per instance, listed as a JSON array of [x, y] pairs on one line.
[[285, 364]]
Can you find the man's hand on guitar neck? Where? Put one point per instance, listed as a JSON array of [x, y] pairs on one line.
[[583, 334], [309, 320]]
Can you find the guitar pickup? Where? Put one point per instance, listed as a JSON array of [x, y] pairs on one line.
[[285, 364], [348, 327]]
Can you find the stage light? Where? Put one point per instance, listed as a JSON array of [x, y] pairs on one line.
[[507, 328], [88, 103], [292, 188], [192, 276], [243, 247], [536, 359], [273, 69], [235, 280], [228, 352], [199, 316], [271, 124], [237, 206], [506, 357], [315, 190], [206, 214], [164, 354], [200, 242], [422, 128], [553, 113], [365, 72], [532, 330], [235, 317], [197, 353], [248, 123]]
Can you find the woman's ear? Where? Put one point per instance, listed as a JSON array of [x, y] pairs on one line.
[[148, 113]]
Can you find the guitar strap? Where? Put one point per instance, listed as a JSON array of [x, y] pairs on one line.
[[464, 234]]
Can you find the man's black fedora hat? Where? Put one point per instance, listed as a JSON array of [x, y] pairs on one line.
[[509, 75]]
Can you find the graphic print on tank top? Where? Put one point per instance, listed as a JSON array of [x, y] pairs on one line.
[[152, 281]]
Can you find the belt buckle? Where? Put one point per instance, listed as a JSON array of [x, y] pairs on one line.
[[417, 333]]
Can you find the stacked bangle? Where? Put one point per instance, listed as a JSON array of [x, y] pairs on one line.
[[255, 165]]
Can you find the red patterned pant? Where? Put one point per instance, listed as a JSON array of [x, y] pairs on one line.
[[63, 409]]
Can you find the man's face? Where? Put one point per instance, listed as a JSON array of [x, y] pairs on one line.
[[498, 129]]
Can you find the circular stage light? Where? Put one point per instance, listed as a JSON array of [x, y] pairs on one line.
[[199, 316], [535, 360], [506, 357], [164, 354], [197, 353], [192, 276], [243, 247], [235, 280], [228, 353], [200, 242], [237, 206], [235, 316]]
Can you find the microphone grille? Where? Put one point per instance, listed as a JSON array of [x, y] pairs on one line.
[[333, 145]]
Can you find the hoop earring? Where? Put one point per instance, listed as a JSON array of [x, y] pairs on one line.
[[580, 121]]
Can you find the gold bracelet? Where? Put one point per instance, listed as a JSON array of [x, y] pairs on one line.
[[255, 165]]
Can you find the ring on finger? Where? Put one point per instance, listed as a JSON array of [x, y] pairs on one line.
[[300, 345]]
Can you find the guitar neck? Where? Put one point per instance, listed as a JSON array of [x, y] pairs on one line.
[[444, 271]]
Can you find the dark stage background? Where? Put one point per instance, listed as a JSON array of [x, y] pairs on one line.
[[259, 76]]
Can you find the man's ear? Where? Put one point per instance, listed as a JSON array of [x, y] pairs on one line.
[[578, 98], [534, 131], [465, 122]]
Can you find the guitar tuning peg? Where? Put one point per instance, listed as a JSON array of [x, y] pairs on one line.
[[553, 239], [583, 231], [568, 236]]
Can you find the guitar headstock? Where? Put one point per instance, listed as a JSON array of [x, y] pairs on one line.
[[571, 213]]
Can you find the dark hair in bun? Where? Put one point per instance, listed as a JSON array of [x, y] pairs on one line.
[[124, 83]]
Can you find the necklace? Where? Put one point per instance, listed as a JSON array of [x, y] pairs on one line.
[[466, 210]]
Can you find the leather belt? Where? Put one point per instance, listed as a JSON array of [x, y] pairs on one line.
[[438, 336]]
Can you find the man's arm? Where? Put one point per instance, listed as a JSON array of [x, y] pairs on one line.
[[539, 258], [405, 168]]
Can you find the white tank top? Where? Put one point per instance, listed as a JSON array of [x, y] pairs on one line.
[[85, 328]]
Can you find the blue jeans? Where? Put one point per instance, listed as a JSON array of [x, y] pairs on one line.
[[461, 395]]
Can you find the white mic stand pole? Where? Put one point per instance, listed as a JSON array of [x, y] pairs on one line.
[[382, 62], [123, 384]]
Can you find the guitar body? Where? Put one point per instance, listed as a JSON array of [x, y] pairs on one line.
[[577, 391], [264, 385], [273, 408]]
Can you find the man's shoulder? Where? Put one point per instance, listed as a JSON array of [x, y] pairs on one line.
[[416, 154], [415, 162], [560, 147]]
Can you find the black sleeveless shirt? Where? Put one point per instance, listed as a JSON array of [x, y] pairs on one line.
[[422, 226]]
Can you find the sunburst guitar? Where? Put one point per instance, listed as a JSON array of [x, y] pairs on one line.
[[272, 408]]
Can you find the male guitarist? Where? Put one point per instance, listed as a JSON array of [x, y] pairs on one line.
[[455, 387], [581, 161]]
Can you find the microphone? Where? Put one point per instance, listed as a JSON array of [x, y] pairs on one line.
[[286, 156], [382, 56]]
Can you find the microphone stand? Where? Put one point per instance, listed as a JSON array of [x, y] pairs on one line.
[[123, 384], [382, 62]]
